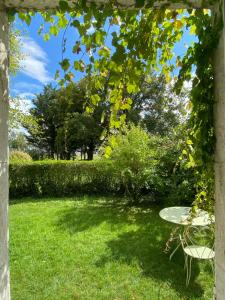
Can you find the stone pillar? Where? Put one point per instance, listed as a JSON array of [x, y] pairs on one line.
[[4, 187], [219, 114]]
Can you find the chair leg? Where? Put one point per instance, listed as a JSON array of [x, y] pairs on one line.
[[188, 271], [190, 261], [172, 254], [185, 262]]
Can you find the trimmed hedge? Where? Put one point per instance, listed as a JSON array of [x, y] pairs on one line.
[[62, 178], [67, 178]]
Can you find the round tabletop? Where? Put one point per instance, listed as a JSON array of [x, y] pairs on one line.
[[182, 215]]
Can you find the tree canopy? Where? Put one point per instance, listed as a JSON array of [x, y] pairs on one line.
[[60, 125]]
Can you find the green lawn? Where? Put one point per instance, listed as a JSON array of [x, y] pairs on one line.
[[96, 248]]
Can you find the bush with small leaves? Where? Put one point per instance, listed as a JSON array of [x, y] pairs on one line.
[[133, 157], [19, 156]]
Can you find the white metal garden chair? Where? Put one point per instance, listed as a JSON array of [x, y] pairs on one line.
[[198, 243]]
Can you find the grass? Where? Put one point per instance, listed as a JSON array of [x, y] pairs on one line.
[[96, 248]]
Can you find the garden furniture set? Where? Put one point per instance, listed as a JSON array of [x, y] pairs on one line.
[[194, 233]]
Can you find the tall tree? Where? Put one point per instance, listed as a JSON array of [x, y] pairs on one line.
[[156, 106], [61, 125], [42, 131], [18, 142]]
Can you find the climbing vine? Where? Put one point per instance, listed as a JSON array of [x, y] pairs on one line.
[[200, 149], [119, 46]]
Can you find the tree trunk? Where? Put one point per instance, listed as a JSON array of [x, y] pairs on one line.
[[219, 114], [90, 154], [4, 104], [90, 151]]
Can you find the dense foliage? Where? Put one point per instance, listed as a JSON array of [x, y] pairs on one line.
[[158, 184], [58, 178], [17, 141], [60, 125], [199, 152], [19, 156], [156, 107], [133, 160], [174, 182]]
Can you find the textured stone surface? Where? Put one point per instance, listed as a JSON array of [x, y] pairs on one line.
[[219, 116], [44, 4], [4, 263]]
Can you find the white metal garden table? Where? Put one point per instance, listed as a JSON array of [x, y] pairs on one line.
[[183, 216]]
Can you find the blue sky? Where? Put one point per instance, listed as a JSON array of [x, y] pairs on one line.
[[42, 59], [40, 63]]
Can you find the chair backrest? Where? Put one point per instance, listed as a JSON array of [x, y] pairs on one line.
[[199, 240]]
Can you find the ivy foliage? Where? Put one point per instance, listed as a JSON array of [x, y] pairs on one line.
[[200, 148]]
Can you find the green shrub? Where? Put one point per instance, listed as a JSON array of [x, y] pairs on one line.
[[133, 160], [61, 178], [174, 183], [19, 156]]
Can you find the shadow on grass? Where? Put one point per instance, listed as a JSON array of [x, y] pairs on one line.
[[91, 215], [145, 245], [145, 248]]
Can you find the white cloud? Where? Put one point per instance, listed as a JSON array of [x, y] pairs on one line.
[[35, 62], [33, 49]]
